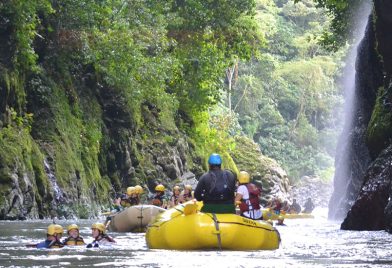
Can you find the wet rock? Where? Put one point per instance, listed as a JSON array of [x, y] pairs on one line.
[[264, 171], [367, 212], [353, 155]]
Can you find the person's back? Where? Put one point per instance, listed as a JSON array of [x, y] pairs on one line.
[[295, 207], [216, 188], [309, 206]]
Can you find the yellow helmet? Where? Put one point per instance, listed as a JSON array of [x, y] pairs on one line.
[[72, 226], [55, 229], [160, 188], [176, 188], [188, 187], [130, 190], [244, 177], [138, 189], [280, 218], [100, 226]]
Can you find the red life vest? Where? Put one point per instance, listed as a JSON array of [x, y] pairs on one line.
[[157, 200], [254, 194]]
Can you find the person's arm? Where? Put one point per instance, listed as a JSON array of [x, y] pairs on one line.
[[199, 190], [240, 193], [238, 198]]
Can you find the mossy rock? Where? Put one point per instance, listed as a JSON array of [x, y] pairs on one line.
[[379, 131], [247, 156]]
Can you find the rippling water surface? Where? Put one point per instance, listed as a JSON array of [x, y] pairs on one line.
[[305, 243]]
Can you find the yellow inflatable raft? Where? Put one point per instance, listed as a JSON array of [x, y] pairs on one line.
[[269, 214], [185, 228]]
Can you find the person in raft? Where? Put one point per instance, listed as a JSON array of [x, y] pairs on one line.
[[126, 198], [308, 206], [216, 188], [176, 196], [98, 232], [73, 239], [53, 236], [295, 207], [138, 193], [248, 197], [187, 194], [159, 197]]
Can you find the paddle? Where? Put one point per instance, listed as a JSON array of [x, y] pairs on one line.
[[31, 245], [106, 213], [190, 208]]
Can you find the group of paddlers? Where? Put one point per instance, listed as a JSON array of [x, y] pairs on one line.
[[55, 232], [284, 207], [220, 190], [133, 194]]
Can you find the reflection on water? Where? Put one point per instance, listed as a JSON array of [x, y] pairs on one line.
[[305, 243]]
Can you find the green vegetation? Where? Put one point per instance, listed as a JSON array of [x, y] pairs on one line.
[[379, 131], [343, 14], [287, 99], [101, 89]]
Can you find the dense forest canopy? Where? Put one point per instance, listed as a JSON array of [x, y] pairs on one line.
[[170, 54], [173, 56], [287, 97], [91, 90]]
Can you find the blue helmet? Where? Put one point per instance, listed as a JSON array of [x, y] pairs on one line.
[[215, 159]]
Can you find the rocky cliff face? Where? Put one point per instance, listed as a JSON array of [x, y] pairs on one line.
[[353, 157], [365, 199], [69, 141], [79, 147]]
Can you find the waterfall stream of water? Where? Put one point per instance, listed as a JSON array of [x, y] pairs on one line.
[[343, 173]]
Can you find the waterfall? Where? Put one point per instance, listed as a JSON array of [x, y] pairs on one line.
[[58, 193], [340, 201]]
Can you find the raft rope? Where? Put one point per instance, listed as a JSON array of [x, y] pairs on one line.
[[216, 223], [141, 218]]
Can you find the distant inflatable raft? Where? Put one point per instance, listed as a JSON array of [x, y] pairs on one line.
[[185, 228], [134, 219], [271, 215]]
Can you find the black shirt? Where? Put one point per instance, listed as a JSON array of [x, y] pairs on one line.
[[216, 187]]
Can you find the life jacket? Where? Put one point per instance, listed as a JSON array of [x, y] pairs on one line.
[[98, 241], [157, 200], [104, 236], [188, 196], [125, 202], [70, 241], [56, 244], [134, 201], [219, 191], [175, 199], [253, 201]]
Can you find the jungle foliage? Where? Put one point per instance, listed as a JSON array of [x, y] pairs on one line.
[[287, 99], [171, 56]]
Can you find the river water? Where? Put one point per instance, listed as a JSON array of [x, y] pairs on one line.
[[305, 243]]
